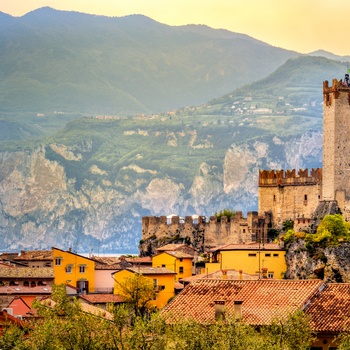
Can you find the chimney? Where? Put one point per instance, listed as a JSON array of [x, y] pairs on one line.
[[240, 274], [23, 252], [70, 249], [224, 274], [238, 309], [219, 309]]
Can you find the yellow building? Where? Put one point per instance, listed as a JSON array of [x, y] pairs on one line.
[[264, 260], [176, 261], [73, 269], [162, 278]]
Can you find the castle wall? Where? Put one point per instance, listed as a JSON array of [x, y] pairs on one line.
[[289, 195], [212, 233]]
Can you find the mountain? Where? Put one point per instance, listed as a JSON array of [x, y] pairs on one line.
[[78, 63], [88, 184], [330, 55]]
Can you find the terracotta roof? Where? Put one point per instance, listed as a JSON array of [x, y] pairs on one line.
[[35, 255], [145, 270], [248, 246], [178, 285], [172, 247], [85, 308], [262, 300], [19, 290], [26, 272], [231, 275], [330, 309], [139, 260], [106, 260], [177, 254], [101, 298]]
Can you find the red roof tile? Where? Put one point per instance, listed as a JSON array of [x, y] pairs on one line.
[[35, 255], [330, 309], [263, 300], [20, 290], [102, 298]]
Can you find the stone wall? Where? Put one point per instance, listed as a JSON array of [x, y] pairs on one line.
[[200, 232], [336, 156], [289, 195]]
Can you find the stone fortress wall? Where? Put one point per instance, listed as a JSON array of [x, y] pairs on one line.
[[203, 232]]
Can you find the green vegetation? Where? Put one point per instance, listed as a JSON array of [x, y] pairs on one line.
[[138, 292], [331, 230], [225, 212]]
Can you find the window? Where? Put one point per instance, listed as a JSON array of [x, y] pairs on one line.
[[244, 230], [305, 197], [274, 197], [163, 265], [252, 255], [181, 269], [32, 284], [275, 255], [58, 261], [267, 254], [82, 268], [25, 284], [155, 283], [69, 268], [270, 274], [180, 259]]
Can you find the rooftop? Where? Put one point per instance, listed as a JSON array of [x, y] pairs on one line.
[[145, 270], [35, 255], [330, 310], [19, 290], [262, 300], [26, 272], [101, 298]]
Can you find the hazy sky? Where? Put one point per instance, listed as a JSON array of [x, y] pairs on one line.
[[300, 25]]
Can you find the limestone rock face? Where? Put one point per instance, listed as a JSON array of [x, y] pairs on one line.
[[58, 196], [330, 264]]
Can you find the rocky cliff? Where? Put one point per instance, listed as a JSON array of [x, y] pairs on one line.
[[64, 195], [330, 264]]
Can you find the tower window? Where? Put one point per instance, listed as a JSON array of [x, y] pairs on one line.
[[305, 197]]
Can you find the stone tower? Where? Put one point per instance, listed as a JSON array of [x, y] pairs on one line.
[[336, 145]]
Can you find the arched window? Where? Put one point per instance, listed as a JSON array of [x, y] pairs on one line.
[[25, 284], [12, 283], [32, 284]]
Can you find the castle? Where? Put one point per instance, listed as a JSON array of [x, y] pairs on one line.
[[302, 196]]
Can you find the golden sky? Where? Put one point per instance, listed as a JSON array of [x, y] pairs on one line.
[[300, 25]]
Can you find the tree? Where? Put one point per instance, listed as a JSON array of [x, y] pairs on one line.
[[137, 291], [225, 212], [331, 229], [293, 333]]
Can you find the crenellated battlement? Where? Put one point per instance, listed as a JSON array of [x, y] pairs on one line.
[[202, 232], [268, 178], [333, 91]]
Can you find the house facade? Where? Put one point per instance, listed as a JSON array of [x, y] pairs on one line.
[[74, 269], [265, 260], [182, 264]]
